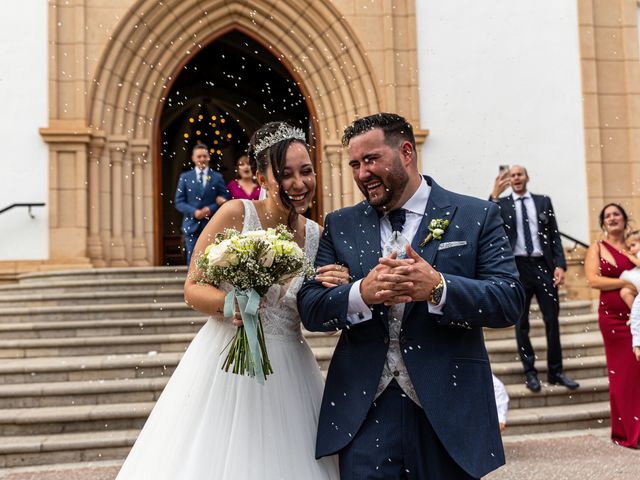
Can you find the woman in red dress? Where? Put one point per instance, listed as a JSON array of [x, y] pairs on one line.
[[603, 265]]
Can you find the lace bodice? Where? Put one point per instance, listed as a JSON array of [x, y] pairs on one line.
[[279, 313]]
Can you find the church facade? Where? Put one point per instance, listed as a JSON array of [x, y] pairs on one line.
[[133, 84]]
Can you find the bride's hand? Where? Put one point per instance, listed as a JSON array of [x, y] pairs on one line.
[[333, 275]]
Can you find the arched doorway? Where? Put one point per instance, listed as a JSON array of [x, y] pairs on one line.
[[142, 61], [220, 97]]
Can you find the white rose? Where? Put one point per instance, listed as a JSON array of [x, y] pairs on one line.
[[255, 234], [219, 256], [437, 232]]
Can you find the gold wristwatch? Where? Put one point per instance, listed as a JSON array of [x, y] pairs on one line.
[[436, 292]]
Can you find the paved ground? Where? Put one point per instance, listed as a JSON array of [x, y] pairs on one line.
[[554, 457]]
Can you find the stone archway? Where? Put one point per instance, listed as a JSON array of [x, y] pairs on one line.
[[147, 50]]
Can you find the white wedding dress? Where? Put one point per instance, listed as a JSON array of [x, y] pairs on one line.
[[212, 425]]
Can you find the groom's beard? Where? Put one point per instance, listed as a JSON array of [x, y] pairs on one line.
[[393, 183]]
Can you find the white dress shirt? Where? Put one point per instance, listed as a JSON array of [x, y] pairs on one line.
[[520, 250], [358, 311], [205, 172]]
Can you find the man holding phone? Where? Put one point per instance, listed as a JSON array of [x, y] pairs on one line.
[[531, 227]]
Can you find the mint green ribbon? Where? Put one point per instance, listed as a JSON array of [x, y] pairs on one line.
[[249, 302]]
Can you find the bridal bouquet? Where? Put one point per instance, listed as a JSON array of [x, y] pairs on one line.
[[251, 262]]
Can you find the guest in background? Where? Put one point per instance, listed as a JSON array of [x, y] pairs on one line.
[[603, 265], [199, 194], [244, 186], [530, 223]]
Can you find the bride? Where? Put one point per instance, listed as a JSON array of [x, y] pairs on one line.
[[210, 424]]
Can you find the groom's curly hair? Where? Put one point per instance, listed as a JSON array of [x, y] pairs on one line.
[[395, 128]]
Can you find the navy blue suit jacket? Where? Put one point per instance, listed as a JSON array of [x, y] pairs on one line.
[[445, 355], [548, 233], [191, 196]]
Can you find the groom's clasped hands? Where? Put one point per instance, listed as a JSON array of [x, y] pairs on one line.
[[395, 280]]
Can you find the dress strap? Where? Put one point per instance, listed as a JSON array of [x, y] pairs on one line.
[[251, 218], [312, 240]]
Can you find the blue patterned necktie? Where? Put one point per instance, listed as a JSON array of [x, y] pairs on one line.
[[397, 219], [396, 241], [528, 240], [200, 175]]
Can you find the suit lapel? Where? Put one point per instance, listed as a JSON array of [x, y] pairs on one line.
[[368, 239], [368, 244], [538, 202], [438, 206]]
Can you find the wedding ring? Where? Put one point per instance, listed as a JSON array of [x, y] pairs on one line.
[[340, 268]]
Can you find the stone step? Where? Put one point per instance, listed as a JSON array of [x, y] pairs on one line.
[[511, 373], [88, 328], [81, 447], [560, 417], [574, 345], [93, 392], [37, 278], [95, 312], [77, 418], [581, 323], [107, 345], [108, 285], [590, 390], [38, 299], [87, 368]]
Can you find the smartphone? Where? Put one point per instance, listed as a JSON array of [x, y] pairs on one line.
[[503, 170]]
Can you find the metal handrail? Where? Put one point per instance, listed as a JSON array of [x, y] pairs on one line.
[[27, 205], [574, 240]]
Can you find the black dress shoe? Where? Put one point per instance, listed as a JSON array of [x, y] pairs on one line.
[[533, 383], [562, 379]]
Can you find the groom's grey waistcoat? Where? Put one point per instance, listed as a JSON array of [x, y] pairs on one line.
[[444, 354]]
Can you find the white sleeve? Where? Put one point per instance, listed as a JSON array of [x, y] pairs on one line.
[[635, 322], [357, 311], [502, 399]]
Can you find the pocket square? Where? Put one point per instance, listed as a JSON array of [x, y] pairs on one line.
[[445, 245]]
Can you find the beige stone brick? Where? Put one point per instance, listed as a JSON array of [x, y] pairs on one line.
[[615, 145], [614, 110], [611, 77], [616, 182], [585, 12], [591, 110], [609, 43], [587, 41], [589, 76], [607, 13]]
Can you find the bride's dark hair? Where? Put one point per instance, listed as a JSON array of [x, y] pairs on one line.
[[274, 156]]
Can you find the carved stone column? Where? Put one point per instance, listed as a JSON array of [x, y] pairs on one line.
[[139, 153], [68, 179], [333, 152], [117, 150], [94, 242], [127, 205]]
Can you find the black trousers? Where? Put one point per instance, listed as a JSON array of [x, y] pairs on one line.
[[396, 441], [537, 279]]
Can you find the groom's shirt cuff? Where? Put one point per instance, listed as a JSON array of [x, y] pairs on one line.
[[357, 311]]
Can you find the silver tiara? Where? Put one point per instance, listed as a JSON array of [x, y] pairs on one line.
[[284, 132]]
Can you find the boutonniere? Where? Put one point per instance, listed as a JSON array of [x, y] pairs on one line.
[[437, 227], [207, 179]]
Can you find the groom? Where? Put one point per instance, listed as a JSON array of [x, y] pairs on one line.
[[409, 391]]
